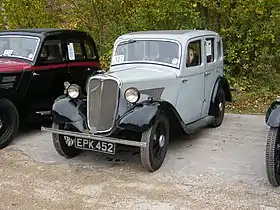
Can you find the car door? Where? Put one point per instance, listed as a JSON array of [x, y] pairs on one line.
[[214, 67], [46, 80], [191, 93], [82, 59]]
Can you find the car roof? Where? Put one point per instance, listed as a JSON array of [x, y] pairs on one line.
[[168, 34], [42, 32]]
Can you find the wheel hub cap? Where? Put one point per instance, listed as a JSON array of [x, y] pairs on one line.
[[69, 141], [161, 141], [221, 106]]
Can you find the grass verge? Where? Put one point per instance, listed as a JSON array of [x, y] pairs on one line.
[[250, 102]]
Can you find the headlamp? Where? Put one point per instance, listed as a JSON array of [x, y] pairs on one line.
[[132, 95], [73, 91]]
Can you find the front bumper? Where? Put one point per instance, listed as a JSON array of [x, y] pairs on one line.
[[95, 137]]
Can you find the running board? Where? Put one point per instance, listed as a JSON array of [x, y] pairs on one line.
[[198, 125]]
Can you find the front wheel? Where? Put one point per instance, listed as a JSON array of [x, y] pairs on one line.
[[9, 122], [272, 156], [64, 145], [157, 139]]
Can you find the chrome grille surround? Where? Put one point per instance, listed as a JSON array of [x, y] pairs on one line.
[[102, 102]]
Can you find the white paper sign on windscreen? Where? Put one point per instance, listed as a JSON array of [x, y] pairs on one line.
[[118, 59]]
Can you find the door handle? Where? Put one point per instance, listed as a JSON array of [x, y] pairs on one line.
[[206, 73], [35, 74], [184, 80]]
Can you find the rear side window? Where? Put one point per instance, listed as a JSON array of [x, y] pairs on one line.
[[210, 50], [219, 49], [75, 50], [89, 50]]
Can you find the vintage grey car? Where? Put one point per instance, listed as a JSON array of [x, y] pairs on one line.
[[159, 83]]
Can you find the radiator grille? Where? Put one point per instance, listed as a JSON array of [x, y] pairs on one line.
[[103, 95]]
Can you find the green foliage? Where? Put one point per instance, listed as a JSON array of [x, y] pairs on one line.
[[250, 29], [28, 13]]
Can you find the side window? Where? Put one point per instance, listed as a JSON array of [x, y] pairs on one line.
[[210, 50], [89, 50], [51, 52], [219, 49], [194, 53], [75, 50]]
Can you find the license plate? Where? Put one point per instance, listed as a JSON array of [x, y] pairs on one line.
[[95, 145]]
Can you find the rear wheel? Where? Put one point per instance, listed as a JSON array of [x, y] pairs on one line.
[[64, 145], [272, 156], [157, 139], [219, 109], [9, 122]]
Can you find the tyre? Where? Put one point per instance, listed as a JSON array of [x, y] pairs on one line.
[[9, 122], [220, 103], [272, 158], [64, 145], [157, 139]]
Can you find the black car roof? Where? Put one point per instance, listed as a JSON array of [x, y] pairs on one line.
[[41, 31]]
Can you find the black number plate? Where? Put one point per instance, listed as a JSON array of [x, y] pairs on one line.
[[95, 145]]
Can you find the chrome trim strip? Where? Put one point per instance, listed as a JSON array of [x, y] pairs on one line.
[[44, 112], [95, 137], [103, 77]]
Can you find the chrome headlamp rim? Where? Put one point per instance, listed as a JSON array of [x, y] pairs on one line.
[[73, 91], [136, 95]]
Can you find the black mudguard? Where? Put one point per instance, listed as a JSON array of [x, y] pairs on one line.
[[12, 95], [142, 116], [272, 117], [69, 111], [221, 82]]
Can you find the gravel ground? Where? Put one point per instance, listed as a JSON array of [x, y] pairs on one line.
[[219, 168]]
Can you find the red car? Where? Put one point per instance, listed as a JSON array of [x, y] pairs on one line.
[[34, 64]]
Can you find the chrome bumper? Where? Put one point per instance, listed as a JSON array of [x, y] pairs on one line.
[[95, 137]]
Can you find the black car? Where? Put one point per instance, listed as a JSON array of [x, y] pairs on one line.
[[272, 156], [34, 65]]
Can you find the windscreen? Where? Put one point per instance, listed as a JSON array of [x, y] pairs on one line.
[[148, 51], [18, 46]]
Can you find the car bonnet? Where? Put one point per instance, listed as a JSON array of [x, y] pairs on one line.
[[136, 74], [7, 65]]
